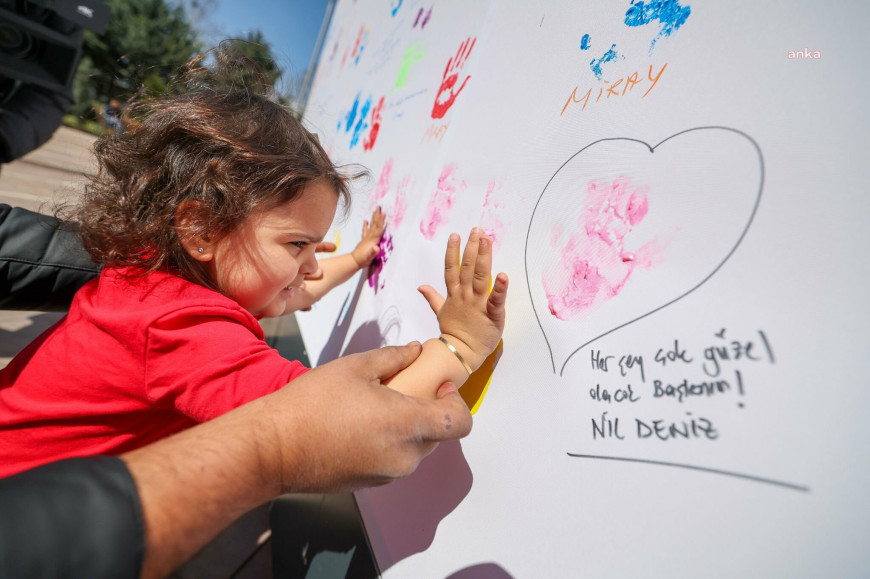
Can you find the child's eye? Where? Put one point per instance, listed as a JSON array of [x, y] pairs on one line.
[[299, 244]]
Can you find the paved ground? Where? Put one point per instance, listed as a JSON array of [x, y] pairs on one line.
[[56, 172]]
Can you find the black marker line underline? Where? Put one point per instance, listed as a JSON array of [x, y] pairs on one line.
[[796, 487]]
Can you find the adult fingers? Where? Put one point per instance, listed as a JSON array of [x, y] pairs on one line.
[[445, 418], [435, 299], [384, 362], [451, 263]]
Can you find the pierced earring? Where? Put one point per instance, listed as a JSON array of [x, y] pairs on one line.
[[200, 249]]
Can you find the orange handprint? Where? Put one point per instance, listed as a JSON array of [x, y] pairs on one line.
[[446, 94]]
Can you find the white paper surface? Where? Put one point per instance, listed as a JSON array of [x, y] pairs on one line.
[[708, 217]]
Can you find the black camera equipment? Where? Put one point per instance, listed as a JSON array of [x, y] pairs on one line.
[[41, 41]]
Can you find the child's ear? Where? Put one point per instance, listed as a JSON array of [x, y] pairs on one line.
[[187, 224]]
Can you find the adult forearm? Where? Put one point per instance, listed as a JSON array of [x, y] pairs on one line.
[[195, 484], [77, 517], [42, 262]]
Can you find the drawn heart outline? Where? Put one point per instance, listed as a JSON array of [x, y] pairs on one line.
[[679, 297]]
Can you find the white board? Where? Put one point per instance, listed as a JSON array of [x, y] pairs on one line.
[[681, 206]]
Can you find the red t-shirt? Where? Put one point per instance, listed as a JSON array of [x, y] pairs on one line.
[[135, 360]]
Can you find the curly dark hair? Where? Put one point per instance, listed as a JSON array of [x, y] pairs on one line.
[[232, 151]]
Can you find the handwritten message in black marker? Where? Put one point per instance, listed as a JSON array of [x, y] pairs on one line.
[[712, 372], [641, 400]]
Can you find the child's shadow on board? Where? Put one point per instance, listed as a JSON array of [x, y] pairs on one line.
[[370, 335], [332, 348], [401, 518]]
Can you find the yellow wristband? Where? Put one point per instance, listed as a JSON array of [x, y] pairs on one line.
[[457, 354]]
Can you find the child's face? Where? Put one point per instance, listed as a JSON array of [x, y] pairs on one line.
[[264, 262]]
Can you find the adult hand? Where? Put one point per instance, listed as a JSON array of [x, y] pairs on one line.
[[338, 428]]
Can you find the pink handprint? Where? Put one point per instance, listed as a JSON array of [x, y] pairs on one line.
[[446, 94]]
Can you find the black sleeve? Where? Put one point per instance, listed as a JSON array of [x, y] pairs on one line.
[[32, 113], [78, 517], [42, 262], [29, 118]]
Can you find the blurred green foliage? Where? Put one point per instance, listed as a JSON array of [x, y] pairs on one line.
[[144, 45]]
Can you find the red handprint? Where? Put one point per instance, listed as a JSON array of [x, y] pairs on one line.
[[369, 141], [446, 94]]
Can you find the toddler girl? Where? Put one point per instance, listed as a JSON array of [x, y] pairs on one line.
[[206, 214]]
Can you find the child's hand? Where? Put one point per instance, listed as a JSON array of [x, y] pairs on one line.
[[472, 317], [322, 247], [367, 248]]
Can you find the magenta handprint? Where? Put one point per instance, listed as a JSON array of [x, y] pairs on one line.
[[448, 92]]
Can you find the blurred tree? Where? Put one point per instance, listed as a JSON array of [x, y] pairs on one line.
[[255, 47], [144, 43], [147, 41]]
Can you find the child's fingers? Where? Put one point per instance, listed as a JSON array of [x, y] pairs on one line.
[[497, 298], [378, 218], [451, 263], [432, 296], [469, 258], [325, 247], [374, 229], [483, 266]]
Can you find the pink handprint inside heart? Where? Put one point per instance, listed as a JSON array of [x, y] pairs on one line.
[[624, 229], [594, 263]]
